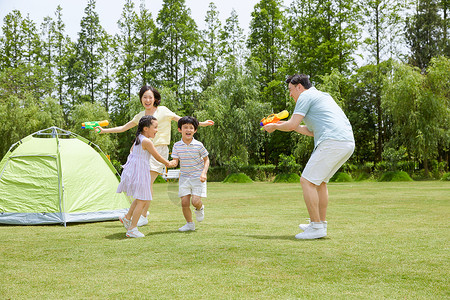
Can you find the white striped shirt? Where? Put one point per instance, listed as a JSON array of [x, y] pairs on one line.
[[191, 158]]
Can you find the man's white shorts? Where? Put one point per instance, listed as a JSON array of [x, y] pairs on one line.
[[155, 165], [326, 159], [191, 186]]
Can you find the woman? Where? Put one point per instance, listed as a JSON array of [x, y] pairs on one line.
[[150, 100]]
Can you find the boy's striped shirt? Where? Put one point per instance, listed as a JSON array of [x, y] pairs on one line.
[[191, 157]]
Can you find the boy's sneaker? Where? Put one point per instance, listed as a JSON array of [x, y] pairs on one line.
[[187, 227], [200, 213], [126, 223], [134, 233], [314, 231], [142, 221]]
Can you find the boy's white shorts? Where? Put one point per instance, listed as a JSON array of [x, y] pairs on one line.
[[155, 165], [191, 186], [326, 159]]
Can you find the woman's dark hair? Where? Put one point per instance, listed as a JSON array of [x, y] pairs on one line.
[[155, 92], [145, 121], [299, 79], [188, 120]]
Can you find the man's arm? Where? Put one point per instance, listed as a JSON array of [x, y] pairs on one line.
[[291, 125], [304, 130]]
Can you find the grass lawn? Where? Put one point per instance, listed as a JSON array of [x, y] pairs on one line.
[[385, 241]]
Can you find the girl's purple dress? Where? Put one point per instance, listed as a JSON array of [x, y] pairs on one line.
[[135, 180]]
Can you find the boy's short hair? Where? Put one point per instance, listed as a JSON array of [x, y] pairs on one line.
[[188, 120]]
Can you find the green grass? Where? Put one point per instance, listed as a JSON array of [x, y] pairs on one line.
[[385, 241]]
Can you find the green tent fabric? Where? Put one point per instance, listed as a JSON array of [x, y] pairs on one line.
[[55, 176]]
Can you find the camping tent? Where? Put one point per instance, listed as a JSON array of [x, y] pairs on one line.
[[56, 176]]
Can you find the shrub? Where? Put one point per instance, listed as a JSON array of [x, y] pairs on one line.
[[395, 176], [217, 174], [255, 172], [363, 176], [234, 164], [287, 164], [237, 178], [446, 177], [287, 178], [341, 177], [259, 172]]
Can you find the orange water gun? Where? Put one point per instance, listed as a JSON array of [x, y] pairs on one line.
[[273, 118]]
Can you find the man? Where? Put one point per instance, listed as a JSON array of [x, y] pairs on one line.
[[333, 145]]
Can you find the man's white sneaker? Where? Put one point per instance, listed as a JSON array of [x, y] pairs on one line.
[[187, 227], [304, 226], [126, 223], [134, 233], [142, 221], [200, 214], [314, 231]]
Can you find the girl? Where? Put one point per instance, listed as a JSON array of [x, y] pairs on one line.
[[151, 100], [136, 180]]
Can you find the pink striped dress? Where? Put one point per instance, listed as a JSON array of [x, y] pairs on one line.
[[135, 180]]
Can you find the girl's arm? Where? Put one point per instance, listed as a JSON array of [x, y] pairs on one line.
[[148, 145], [173, 163], [205, 169], [117, 129]]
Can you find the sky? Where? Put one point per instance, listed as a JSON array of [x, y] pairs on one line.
[[110, 10]]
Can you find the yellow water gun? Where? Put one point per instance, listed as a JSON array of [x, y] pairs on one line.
[[273, 118]]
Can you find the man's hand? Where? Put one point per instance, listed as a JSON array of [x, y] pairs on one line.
[[270, 127]]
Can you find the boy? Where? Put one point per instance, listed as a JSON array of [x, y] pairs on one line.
[[194, 164]]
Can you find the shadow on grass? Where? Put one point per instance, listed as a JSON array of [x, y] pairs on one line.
[[281, 237], [122, 236]]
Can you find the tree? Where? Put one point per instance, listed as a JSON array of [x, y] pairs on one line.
[[233, 103], [12, 41], [233, 41], [59, 57], [322, 36], [47, 32], [266, 43], [381, 20], [107, 61], [418, 113], [212, 50], [88, 48], [93, 111], [126, 62], [176, 54], [145, 28], [438, 81], [426, 33], [24, 114]]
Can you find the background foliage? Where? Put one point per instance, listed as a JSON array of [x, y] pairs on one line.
[[386, 63]]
